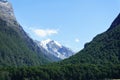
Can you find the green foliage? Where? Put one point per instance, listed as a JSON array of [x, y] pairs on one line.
[[99, 60], [63, 72], [17, 49], [103, 49]]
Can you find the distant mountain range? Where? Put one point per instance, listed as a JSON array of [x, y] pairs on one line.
[[54, 48]]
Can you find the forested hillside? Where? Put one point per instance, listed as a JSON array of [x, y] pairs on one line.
[[16, 47], [99, 60], [22, 59]]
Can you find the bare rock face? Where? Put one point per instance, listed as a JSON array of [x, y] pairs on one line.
[[3, 0], [7, 13]]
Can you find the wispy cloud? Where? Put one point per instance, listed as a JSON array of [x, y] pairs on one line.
[[77, 40], [45, 32]]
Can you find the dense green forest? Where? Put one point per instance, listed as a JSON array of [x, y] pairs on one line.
[[103, 49], [22, 59], [17, 49], [99, 60], [63, 72]]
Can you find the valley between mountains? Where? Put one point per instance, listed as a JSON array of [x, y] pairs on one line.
[[22, 58]]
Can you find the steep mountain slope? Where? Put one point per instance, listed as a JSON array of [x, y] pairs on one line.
[[16, 47], [115, 23], [43, 50], [103, 49], [56, 49], [99, 60]]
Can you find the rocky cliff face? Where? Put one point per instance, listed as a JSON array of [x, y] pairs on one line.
[[6, 12]]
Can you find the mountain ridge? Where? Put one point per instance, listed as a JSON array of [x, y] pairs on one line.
[[7, 12], [99, 60], [17, 49], [115, 23], [103, 49], [54, 48]]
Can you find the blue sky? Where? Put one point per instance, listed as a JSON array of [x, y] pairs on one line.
[[70, 22]]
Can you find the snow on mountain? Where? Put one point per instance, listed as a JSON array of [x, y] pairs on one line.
[[44, 43], [54, 48]]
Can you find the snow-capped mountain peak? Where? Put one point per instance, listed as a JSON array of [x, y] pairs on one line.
[[58, 44], [55, 48], [44, 43]]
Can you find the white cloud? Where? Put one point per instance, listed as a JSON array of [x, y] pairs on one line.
[[77, 40], [45, 32]]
